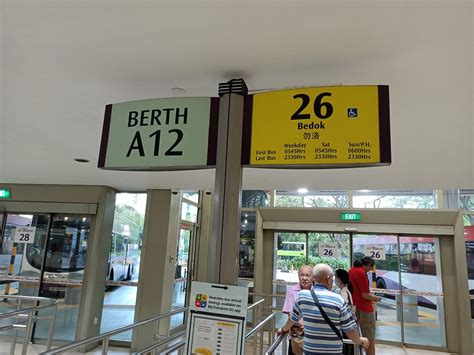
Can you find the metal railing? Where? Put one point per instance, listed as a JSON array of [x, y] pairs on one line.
[[358, 350], [105, 338], [280, 339], [31, 316]]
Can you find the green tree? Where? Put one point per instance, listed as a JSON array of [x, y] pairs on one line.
[[128, 216]]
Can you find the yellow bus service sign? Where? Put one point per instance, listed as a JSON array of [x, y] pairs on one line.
[[321, 127]]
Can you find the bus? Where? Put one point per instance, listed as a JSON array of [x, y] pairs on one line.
[[124, 254], [66, 257], [291, 249]]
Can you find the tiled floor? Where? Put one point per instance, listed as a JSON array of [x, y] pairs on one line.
[[381, 350], [391, 350]]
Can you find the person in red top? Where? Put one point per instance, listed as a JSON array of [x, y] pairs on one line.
[[363, 299]]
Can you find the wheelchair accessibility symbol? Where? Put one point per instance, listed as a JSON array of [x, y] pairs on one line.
[[352, 112]]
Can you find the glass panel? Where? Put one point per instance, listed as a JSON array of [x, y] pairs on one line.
[[124, 263], [255, 198], [329, 248], [290, 255], [388, 310], [23, 259], [189, 212], [394, 199], [181, 275], [191, 195], [247, 244], [66, 250], [466, 202], [469, 237], [331, 199], [423, 315]]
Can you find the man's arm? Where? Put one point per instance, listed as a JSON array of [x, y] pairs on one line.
[[370, 297], [358, 340], [363, 286]]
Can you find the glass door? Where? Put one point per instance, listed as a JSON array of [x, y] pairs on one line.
[[384, 250], [291, 254], [329, 248], [407, 276], [422, 291], [183, 272], [22, 253]]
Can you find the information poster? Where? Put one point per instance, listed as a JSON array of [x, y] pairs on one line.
[[329, 250], [160, 134], [340, 126], [24, 235], [216, 325], [376, 252]]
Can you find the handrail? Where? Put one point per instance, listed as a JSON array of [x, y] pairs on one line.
[[260, 325], [175, 347], [105, 336], [29, 309], [276, 343], [255, 304], [31, 314], [160, 343], [266, 295], [358, 349]]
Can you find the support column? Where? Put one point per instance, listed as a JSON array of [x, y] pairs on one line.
[[203, 245], [225, 233], [157, 264], [95, 271]]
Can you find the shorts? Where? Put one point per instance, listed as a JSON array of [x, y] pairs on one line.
[[367, 324]]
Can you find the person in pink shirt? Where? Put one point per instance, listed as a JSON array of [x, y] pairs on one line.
[[305, 277]]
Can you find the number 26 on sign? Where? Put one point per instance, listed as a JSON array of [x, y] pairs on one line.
[[376, 252]]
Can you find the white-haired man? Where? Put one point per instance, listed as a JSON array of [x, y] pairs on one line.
[[320, 337]]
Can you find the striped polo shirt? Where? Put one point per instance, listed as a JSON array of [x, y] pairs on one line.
[[319, 338]]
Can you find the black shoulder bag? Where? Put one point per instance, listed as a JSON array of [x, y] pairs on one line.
[[325, 316]]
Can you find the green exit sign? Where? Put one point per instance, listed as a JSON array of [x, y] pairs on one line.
[[350, 216], [5, 192]]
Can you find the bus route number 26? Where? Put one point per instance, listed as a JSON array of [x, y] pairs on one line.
[[375, 252], [328, 250]]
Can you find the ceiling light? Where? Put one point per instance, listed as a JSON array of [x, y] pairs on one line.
[[364, 190], [80, 160], [303, 190], [178, 91]]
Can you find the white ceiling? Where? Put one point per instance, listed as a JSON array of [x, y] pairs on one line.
[[62, 61]]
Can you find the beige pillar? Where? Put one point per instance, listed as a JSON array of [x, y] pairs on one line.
[[157, 264], [95, 272]]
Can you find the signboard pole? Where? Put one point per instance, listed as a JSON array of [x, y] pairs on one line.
[[225, 232]]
